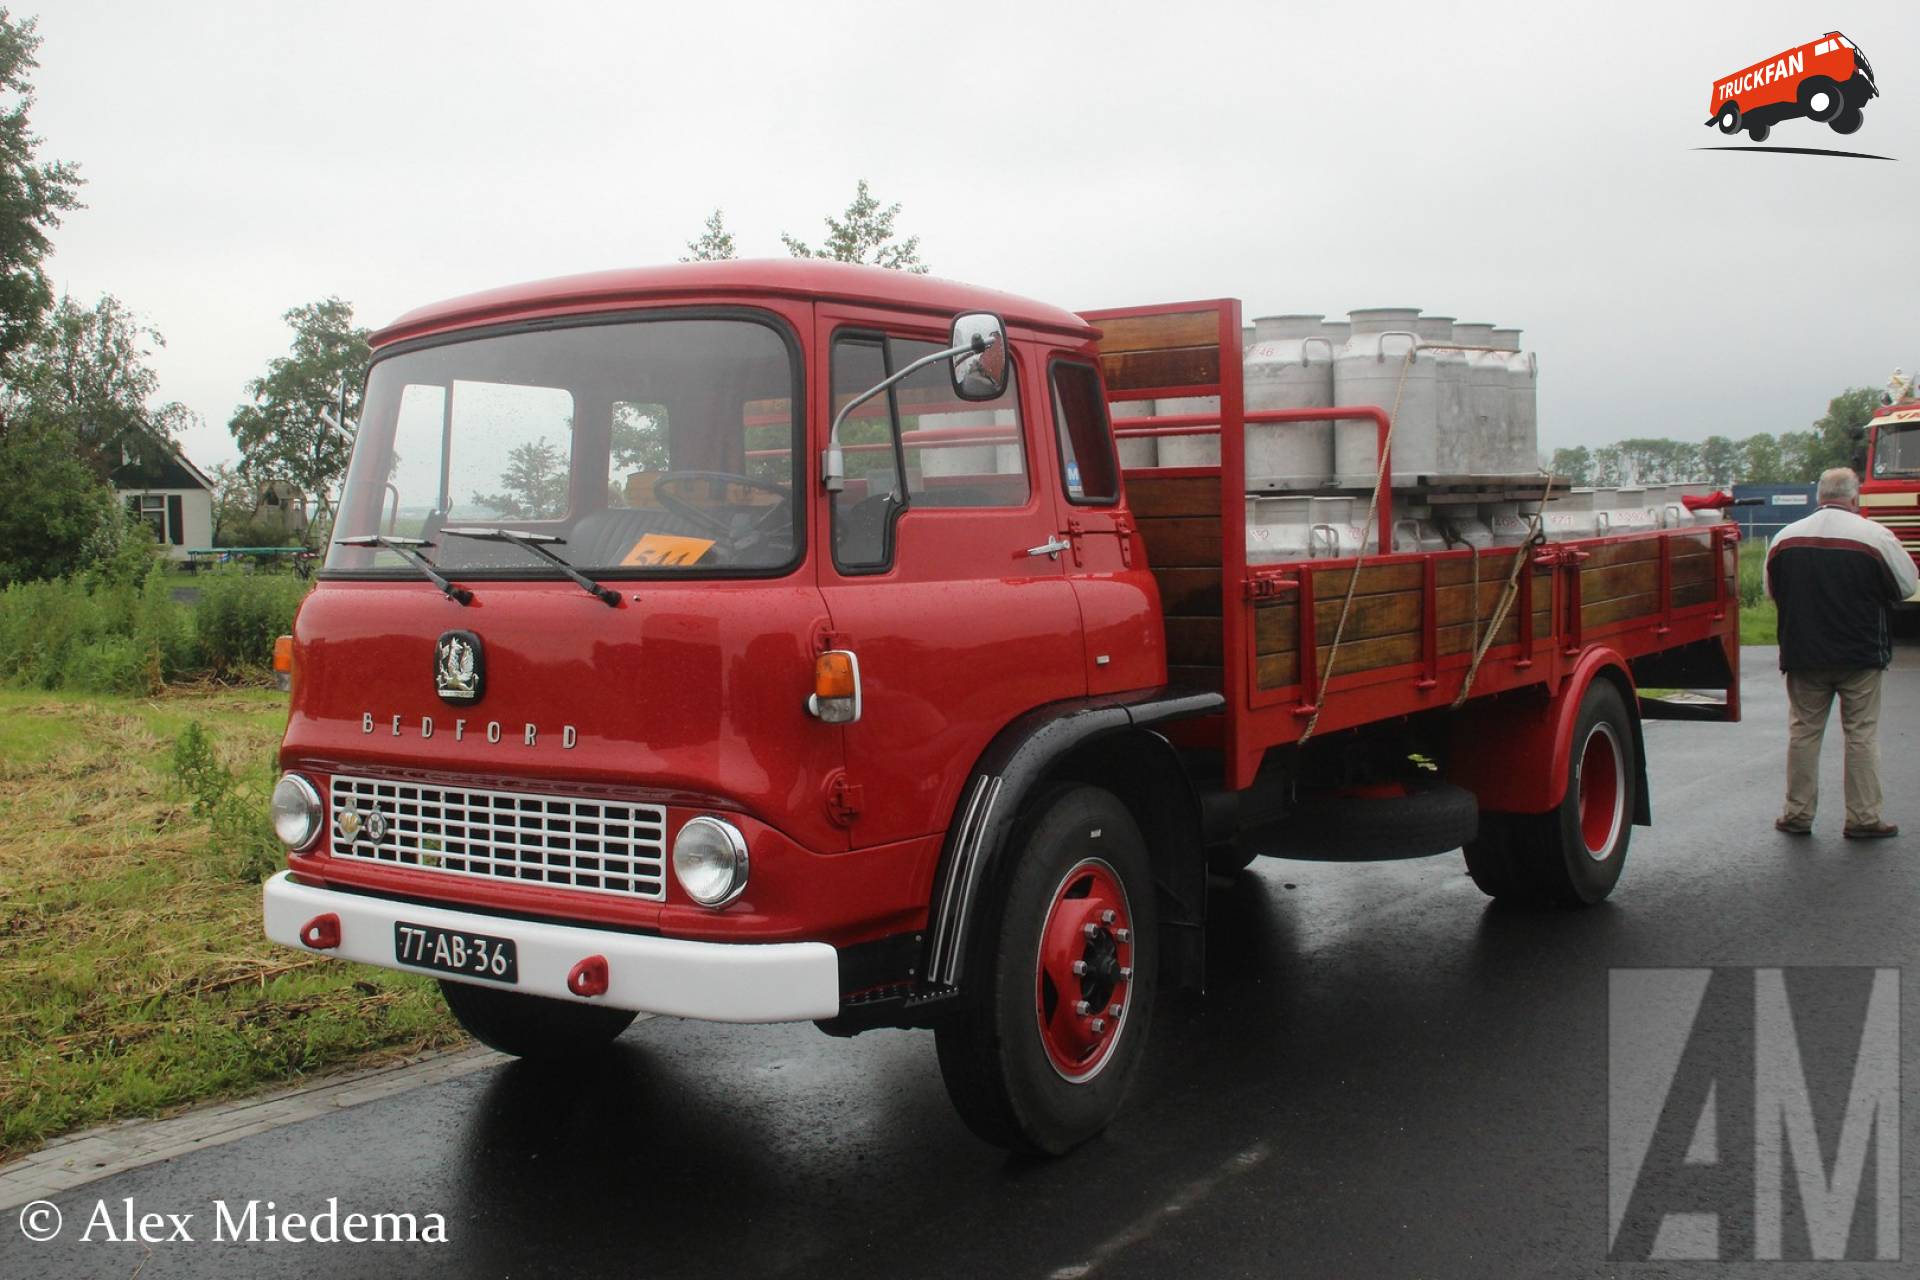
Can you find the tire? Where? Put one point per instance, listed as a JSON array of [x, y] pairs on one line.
[[1848, 121], [1573, 854], [1729, 119], [1429, 818], [1759, 132], [1821, 87], [1032, 1065], [533, 1027]]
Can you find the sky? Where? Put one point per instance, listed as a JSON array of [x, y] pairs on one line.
[[1530, 164]]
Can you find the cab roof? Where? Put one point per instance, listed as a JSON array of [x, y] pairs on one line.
[[744, 278]]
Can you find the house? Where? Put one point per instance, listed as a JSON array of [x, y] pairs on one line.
[[170, 494]]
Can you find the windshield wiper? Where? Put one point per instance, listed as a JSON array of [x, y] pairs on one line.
[[531, 542], [404, 548]]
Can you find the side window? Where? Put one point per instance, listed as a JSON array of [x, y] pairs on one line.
[[1087, 466], [863, 511], [918, 445], [957, 453]]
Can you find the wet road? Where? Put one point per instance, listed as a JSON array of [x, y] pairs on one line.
[[1388, 1077]]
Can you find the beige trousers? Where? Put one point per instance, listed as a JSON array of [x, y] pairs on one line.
[[1809, 698]]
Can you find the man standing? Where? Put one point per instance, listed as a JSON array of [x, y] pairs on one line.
[[1833, 575]]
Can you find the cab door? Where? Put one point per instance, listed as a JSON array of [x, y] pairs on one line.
[[940, 573], [1106, 562]]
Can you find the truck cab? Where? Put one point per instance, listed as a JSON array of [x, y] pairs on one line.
[[1890, 487], [598, 667]]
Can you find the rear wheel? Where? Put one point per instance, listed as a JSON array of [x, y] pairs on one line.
[[1573, 854], [1729, 118], [533, 1026], [1759, 132], [1042, 1058], [1848, 121]]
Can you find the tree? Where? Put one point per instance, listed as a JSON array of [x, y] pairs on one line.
[[1719, 461], [864, 235], [301, 422], [534, 485], [1760, 461], [1575, 465], [1842, 430], [86, 369], [33, 195], [715, 243], [55, 514]]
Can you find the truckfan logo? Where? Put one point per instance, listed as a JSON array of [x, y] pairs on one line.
[[1827, 81], [459, 668]]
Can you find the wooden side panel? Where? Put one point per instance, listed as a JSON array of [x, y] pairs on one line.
[[1182, 542], [1153, 496], [1187, 593], [1179, 367], [1159, 332]]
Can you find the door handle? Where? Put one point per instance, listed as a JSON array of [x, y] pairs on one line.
[[1051, 548]]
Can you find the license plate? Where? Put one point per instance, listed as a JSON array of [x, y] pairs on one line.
[[473, 955]]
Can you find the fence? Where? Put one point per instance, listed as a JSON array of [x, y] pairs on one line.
[[1782, 505]]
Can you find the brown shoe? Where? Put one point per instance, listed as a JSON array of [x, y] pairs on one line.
[[1878, 831], [1793, 826]]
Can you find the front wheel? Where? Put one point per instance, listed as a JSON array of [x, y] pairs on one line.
[[1041, 1059], [1573, 854], [533, 1026], [1729, 119], [1821, 98]]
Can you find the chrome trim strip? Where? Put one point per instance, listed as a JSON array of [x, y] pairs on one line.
[[969, 861], [940, 951]]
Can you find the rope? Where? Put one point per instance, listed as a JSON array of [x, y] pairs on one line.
[[1360, 554], [1535, 536]]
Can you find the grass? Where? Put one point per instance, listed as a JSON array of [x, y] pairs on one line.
[[1758, 623], [134, 978]]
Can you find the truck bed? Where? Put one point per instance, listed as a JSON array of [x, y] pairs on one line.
[[1665, 600]]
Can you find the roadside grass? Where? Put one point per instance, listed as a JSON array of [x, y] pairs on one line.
[[1758, 623], [134, 977]]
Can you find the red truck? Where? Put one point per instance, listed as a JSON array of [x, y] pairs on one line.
[[1828, 80], [1890, 485], [782, 641]]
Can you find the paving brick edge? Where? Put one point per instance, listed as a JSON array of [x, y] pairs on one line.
[[80, 1158]]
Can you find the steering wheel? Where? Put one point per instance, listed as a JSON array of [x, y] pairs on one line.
[[737, 536]]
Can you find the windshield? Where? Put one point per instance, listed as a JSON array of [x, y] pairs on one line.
[[647, 447], [1896, 451]]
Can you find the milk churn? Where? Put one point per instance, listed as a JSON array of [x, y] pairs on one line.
[[1289, 366], [1368, 370], [1453, 444], [1488, 400], [1522, 449], [1137, 451]]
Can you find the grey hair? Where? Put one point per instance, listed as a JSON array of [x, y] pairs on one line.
[[1839, 485]]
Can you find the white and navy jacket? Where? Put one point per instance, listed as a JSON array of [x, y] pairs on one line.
[[1833, 576]]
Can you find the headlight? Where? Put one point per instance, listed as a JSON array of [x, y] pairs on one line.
[[710, 861], [296, 811]]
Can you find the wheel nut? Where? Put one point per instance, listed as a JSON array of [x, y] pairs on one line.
[[1090, 929], [1126, 973], [1079, 968], [1099, 1025], [1108, 917], [1121, 935], [1082, 1008], [1113, 1010]]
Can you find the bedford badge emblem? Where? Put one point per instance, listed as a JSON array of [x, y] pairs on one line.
[[459, 668]]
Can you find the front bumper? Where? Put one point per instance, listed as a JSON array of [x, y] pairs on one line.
[[717, 981]]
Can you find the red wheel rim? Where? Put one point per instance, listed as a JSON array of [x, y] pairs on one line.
[[1083, 987], [1603, 792]]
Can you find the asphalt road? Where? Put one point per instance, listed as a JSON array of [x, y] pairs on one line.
[[1388, 1077]]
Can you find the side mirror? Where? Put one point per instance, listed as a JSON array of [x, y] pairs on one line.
[[980, 369]]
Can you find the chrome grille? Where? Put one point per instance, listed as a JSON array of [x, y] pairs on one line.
[[559, 841]]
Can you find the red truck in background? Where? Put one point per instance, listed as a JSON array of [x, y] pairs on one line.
[[763, 641], [1890, 486], [1828, 80]]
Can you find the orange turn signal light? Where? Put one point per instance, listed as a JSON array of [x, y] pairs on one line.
[[283, 654], [833, 675]]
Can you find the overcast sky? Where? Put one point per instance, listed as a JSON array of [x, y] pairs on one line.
[[1528, 164]]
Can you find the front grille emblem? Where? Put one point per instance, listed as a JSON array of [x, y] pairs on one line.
[[459, 667], [376, 826]]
